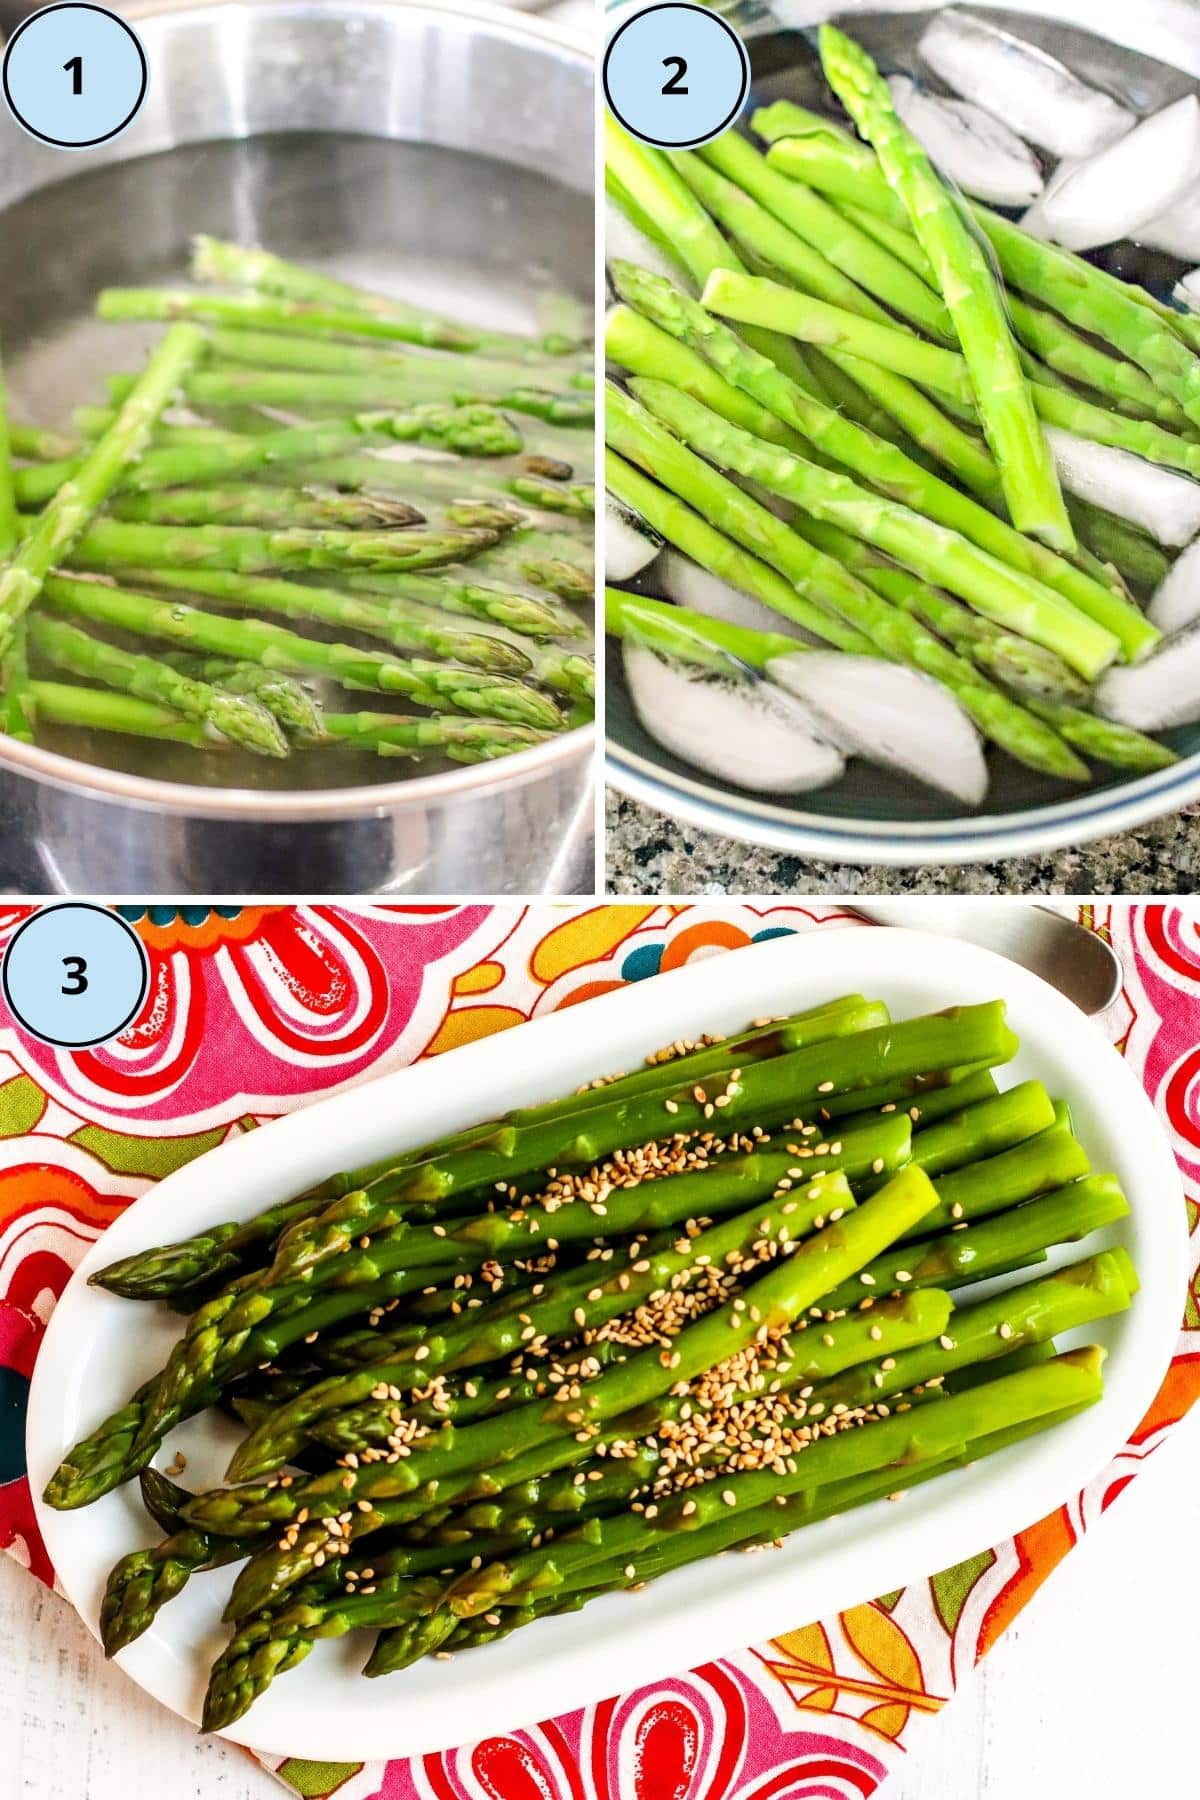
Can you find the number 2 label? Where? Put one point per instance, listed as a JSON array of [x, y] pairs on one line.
[[680, 67]]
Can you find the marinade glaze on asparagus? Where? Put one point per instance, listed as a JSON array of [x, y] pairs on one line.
[[694, 1305]]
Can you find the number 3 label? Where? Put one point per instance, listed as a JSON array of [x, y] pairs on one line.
[[706, 68], [75, 975]]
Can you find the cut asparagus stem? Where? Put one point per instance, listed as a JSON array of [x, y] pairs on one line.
[[993, 1245], [645, 181], [254, 640], [242, 719], [813, 219], [1031, 1313], [65, 519]]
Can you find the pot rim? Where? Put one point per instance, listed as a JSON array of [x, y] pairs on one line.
[[193, 800]]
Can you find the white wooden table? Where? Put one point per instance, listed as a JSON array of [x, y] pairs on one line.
[[1085, 1697]]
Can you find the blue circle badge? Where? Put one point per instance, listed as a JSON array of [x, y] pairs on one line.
[[75, 974], [675, 75], [74, 75]]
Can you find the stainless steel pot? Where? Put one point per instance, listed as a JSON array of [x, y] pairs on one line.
[[447, 141], [1151, 52]]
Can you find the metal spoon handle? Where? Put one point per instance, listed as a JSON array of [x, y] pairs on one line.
[[1072, 959]]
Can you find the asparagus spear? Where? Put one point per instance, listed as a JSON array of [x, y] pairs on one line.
[[1000, 593], [268, 312], [295, 347], [469, 430], [1024, 1170], [110, 544], [760, 301], [9, 529], [1097, 304], [645, 183], [1039, 680], [757, 300], [679, 631], [270, 1644], [462, 740], [414, 379], [523, 613], [19, 700], [633, 433], [1118, 543], [242, 719], [403, 624], [884, 466], [966, 281], [214, 259], [253, 504], [376, 475], [65, 519], [1064, 352], [579, 1299], [255, 640], [512, 561], [1026, 667]]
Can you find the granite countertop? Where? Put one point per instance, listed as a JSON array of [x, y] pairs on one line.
[[649, 853]]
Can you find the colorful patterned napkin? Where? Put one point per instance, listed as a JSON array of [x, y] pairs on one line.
[[291, 1002]]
